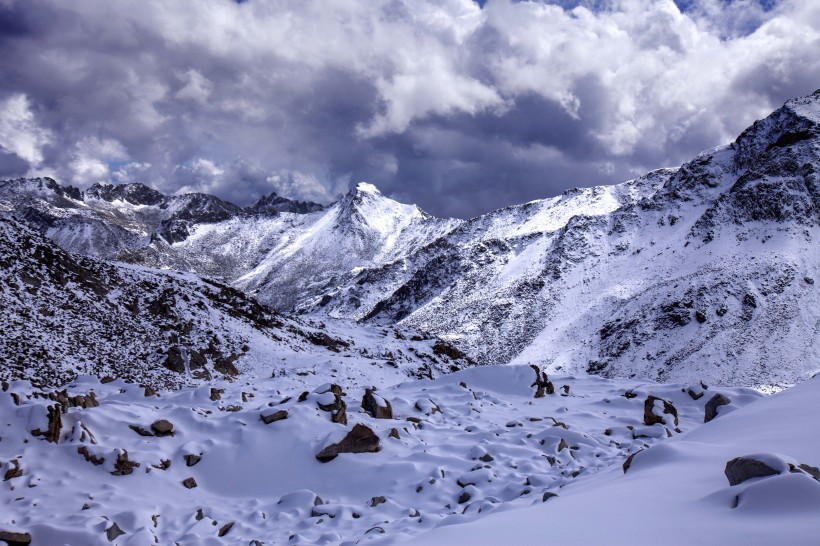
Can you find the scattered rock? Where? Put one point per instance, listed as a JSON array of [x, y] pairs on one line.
[[55, 424], [700, 316], [375, 501], [548, 495], [12, 538], [141, 431], [273, 417], [216, 394], [711, 409], [486, 458], [148, 391], [376, 406], [740, 469], [629, 395], [225, 529], [694, 395], [464, 497], [542, 383], [96, 461], [191, 459], [628, 461], [14, 472], [113, 532], [394, 433], [123, 466], [162, 427], [649, 417], [359, 440], [189, 483], [337, 408]]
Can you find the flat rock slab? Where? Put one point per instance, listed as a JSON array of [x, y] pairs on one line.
[[359, 440]]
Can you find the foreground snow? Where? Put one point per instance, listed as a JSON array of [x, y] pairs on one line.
[[678, 492], [469, 444]]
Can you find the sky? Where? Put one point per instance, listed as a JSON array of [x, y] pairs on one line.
[[460, 107]]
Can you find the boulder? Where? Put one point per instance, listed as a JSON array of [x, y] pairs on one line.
[[376, 406], [162, 427], [711, 409], [123, 466], [12, 538], [542, 383], [649, 416], [337, 408], [113, 532], [189, 483], [359, 440], [273, 417], [740, 469]]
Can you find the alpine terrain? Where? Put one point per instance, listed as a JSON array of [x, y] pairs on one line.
[[611, 365]]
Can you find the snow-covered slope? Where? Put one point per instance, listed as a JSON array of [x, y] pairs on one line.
[[678, 492], [65, 315], [704, 271], [241, 464]]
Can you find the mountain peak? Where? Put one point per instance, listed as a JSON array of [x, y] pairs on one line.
[[367, 187]]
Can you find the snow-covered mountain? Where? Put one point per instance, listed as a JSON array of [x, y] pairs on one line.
[[65, 315], [704, 271]]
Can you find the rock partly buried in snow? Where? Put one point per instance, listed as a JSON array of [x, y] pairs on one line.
[[359, 440], [12, 538], [162, 427], [711, 409], [113, 532], [650, 417], [273, 417], [740, 469], [334, 403], [542, 383], [376, 406], [189, 483]]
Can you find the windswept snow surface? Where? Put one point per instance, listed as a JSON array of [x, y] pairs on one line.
[[676, 492], [468, 444]]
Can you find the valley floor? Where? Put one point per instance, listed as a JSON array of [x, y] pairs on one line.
[[469, 458]]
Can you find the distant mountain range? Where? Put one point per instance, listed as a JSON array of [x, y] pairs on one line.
[[707, 271]]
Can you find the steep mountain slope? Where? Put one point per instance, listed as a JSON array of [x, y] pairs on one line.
[[65, 315], [705, 271]]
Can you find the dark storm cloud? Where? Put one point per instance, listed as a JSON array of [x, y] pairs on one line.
[[458, 107]]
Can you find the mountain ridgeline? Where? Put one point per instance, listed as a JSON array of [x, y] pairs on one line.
[[707, 271]]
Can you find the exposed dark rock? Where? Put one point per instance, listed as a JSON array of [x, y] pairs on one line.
[[442, 348], [141, 431], [162, 427], [649, 417], [700, 316], [148, 391], [12, 538], [628, 462], [123, 466], [273, 417], [113, 532], [359, 440], [371, 404], [189, 483], [14, 472], [191, 459], [694, 395], [225, 529], [629, 395], [216, 394], [96, 461], [486, 458], [542, 383], [711, 409], [174, 360], [548, 495], [464, 497], [394, 433], [375, 501], [337, 408], [740, 469]]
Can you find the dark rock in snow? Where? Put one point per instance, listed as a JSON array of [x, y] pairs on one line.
[[113, 532], [376, 406], [359, 440], [123, 466], [542, 383], [649, 417], [273, 417], [225, 529], [711, 409], [189, 483], [740, 469], [162, 427], [191, 459], [13, 538]]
